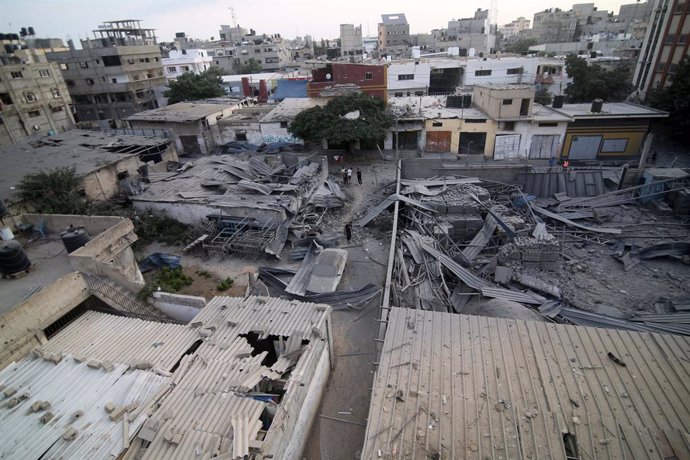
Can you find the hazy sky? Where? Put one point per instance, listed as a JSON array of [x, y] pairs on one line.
[[201, 19]]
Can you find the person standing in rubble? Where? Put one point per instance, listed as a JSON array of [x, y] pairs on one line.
[[348, 231], [359, 176], [349, 176], [344, 173]]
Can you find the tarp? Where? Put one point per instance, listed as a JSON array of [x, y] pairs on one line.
[[290, 89], [159, 260]]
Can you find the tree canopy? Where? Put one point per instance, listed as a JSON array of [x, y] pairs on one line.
[[542, 95], [54, 192], [521, 46], [252, 66], [676, 100], [192, 87], [594, 82], [366, 121]]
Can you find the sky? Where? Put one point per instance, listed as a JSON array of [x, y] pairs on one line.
[[201, 19]]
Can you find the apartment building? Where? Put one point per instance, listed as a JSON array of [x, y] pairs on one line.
[[394, 34], [515, 27], [114, 75], [554, 25], [34, 100], [351, 40], [183, 61]]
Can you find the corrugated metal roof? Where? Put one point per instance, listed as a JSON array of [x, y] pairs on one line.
[[574, 183], [182, 112], [456, 386], [123, 340], [70, 386]]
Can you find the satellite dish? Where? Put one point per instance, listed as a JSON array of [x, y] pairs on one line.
[[328, 76]]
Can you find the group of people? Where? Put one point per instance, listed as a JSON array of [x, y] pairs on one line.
[[347, 176]]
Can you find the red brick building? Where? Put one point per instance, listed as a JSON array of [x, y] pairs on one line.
[[335, 79]]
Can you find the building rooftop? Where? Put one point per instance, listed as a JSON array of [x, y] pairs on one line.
[[506, 87], [544, 113], [612, 110], [393, 19], [457, 386], [289, 108], [182, 112], [85, 151], [158, 390], [257, 77], [431, 107], [247, 114]]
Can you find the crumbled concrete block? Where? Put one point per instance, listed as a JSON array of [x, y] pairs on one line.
[[107, 366], [38, 406], [503, 275], [317, 332], [244, 354], [53, 358], [131, 406], [196, 324], [109, 407], [94, 363], [143, 365], [321, 307], [9, 392], [70, 434], [12, 402], [47, 417], [147, 433], [232, 323]]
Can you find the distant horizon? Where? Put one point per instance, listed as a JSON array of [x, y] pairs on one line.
[[78, 18]]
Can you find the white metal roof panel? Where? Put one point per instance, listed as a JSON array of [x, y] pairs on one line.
[[455, 386]]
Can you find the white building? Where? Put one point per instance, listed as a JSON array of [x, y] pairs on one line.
[[500, 71], [409, 79], [182, 61]]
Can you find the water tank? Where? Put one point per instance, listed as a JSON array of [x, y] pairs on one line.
[[597, 105], [558, 101], [74, 237], [13, 259]]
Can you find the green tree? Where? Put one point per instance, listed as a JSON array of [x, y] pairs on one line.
[[675, 99], [542, 95], [521, 46], [54, 192], [192, 87], [594, 82], [366, 121], [252, 66]]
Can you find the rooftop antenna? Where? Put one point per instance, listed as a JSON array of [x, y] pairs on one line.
[[493, 13], [234, 16]]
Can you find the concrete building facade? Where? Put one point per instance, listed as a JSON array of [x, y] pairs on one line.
[[34, 100], [351, 40], [554, 25], [336, 79], [515, 27], [112, 77], [182, 61], [409, 79], [394, 34]]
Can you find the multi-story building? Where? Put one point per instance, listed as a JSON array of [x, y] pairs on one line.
[[409, 79], [394, 34], [234, 35], [351, 40], [114, 75], [554, 25], [34, 100], [270, 52], [666, 44], [514, 27], [224, 56], [182, 61], [337, 79]]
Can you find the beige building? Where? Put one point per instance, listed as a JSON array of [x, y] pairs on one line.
[[505, 102], [394, 34], [114, 75], [34, 100]]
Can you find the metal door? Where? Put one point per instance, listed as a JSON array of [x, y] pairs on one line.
[[438, 141], [584, 147], [507, 146], [544, 147]]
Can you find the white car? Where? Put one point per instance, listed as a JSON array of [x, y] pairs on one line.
[[328, 269]]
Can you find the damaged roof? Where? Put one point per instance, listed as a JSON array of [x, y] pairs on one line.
[[289, 108], [182, 112], [431, 107], [457, 386]]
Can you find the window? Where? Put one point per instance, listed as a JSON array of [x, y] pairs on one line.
[[548, 124], [507, 102], [70, 83], [614, 146], [475, 120], [369, 76], [172, 69], [34, 114], [84, 65], [43, 73], [184, 51], [283, 124], [398, 94], [111, 61], [156, 59], [55, 92], [135, 77], [113, 80], [56, 109], [30, 97], [514, 71], [682, 39], [482, 73], [509, 126], [184, 68], [147, 60], [272, 60], [241, 136], [64, 67], [419, 93], [141, 60], [670, 38], [90, 81], [130, 61], [437, 124], [5, 99], [16, 74], [407, 76]]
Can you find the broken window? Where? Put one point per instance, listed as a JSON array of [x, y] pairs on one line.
[[55, 92], [111, 61], [5, 99], [241, 136], [34, 114]]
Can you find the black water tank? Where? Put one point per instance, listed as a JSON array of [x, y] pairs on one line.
[[74, 237], [597, 105], [558, 101], [3, 209], [13, 259]]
